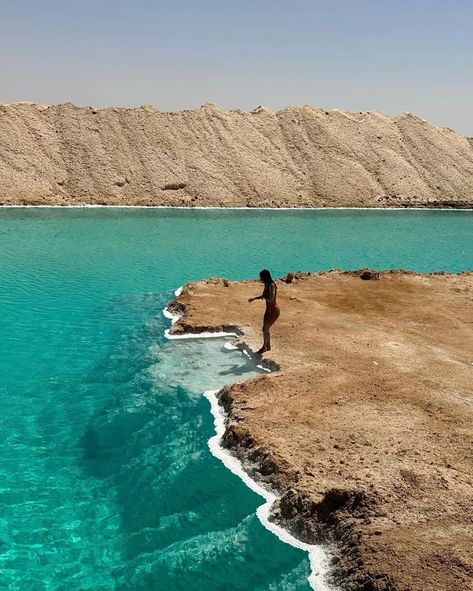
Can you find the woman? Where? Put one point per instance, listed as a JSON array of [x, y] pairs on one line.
[[272, 309]]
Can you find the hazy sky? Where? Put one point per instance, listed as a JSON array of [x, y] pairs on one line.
[[392, 56]]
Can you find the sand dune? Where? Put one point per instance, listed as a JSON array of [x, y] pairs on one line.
[[300, 156]]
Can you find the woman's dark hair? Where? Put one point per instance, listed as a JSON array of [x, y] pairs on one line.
[[265, 276]]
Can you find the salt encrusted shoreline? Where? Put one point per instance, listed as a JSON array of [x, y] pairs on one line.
[[294, 519], [465, 206], [374, 548], [319, 555]]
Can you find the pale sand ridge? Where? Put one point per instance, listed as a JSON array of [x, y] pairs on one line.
[[300, 156]]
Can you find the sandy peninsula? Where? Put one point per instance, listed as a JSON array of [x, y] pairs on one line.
[[366, 430], [297, 157]]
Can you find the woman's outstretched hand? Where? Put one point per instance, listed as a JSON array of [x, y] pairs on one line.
[[251, 300]]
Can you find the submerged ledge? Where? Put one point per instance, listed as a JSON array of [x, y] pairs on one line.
[[366, 430]]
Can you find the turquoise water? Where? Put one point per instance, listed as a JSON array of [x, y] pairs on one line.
[[106, 478]]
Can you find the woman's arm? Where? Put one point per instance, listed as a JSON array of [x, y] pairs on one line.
[[261, 297]]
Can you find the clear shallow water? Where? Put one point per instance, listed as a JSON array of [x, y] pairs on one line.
[[106, 479]]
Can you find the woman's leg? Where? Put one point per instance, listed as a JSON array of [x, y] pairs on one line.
[[265, 331], [268, 321], [266, 338]]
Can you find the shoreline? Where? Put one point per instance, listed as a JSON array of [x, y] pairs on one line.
[[317, 553], [383, 535], [229, 208], [319, 556]]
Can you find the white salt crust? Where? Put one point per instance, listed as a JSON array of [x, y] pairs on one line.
[[93, 206], [318, 555], [199, 335]]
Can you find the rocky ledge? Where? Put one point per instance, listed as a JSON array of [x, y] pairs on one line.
[[366, 429]]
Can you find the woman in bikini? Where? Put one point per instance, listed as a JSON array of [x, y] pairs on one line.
[[272, 309]]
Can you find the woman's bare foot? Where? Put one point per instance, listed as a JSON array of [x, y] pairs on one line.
[[263, 350]]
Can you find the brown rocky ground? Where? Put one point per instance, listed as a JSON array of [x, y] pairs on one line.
[[367, 428], [300, 156]]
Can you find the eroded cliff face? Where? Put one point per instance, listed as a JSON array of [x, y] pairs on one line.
[[300, 156]]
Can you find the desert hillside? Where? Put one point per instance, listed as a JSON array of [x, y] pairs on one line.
[[300, 156]]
